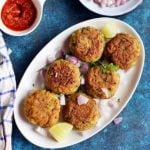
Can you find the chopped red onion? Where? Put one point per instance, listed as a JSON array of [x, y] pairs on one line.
[[118, 120], [81, 99], [84, 68], [118, 2], [110, 3], [42, 74], [62, 99], [82, 80], [50, 59], [73, 60], [40, 131], [106, 91], [123, 2], [60, 53], [78, 64]]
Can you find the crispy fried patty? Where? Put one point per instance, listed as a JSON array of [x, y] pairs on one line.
[[123, 50], [82, 117], [63, 77], [87, 44], [41, 108], [101, 85]]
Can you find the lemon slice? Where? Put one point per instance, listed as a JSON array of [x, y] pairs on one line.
[[60, 130], [109, 30]]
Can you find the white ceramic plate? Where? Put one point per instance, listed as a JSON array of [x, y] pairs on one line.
[[116, 11], [124, 92]]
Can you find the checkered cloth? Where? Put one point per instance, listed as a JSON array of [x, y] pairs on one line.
[[7, 96]]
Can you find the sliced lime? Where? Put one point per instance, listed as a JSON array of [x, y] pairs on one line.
[[60, 130], [109, 30]]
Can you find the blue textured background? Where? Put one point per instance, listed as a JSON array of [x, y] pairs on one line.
[[134, 132]]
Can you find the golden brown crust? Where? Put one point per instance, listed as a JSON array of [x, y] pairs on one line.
[[82, 117], [63, 77], [96, 82], [87, 44], [42, 108], [123, 50]]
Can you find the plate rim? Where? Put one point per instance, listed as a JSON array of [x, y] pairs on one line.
[[120, 110], [111, 15]]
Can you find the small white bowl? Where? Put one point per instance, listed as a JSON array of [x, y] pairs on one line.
[[39, 7], [114, 11]]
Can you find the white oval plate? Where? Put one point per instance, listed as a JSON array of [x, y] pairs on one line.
[[131, 77], [107, 11]]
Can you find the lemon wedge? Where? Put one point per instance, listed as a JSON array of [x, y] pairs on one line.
[[109, 30], [60, 130]]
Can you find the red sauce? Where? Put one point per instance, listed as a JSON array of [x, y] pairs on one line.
[[18, 15]]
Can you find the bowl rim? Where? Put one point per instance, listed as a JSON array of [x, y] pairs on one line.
[[37, 21], [116, 12]]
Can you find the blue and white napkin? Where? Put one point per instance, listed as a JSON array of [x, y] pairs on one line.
[[7, 96]]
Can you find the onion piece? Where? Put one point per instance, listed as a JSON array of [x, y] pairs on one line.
[[62, 99], [118, 120], [60, 53], [42, 74], [84, 68], [50, 59], [110, 3], [118, 2], [73, 60], [106, 91], [81, 99], [78, 64], [82, 80], [40, 131]]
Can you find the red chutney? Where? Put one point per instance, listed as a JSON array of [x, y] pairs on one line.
[[18, 15]]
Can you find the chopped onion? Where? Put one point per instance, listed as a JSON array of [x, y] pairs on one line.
[[123, 2], [118, 2], [84, 68], [73, 60], [106, 91], [81, 99], [60, 53], [78, 64], [50, 59], [62, 99], [82, 80], [118, 120], [110, 3], [42, 74], [40, 131]]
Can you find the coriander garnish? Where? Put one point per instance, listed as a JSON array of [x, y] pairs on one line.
[[109, 68]]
